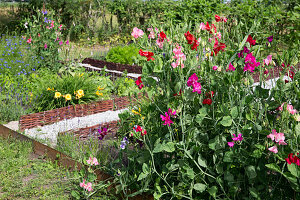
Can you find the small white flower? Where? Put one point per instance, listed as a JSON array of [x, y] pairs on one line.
[[26, 23]]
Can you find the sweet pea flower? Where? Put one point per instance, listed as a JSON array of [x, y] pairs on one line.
[[215, 68], [273, 149], [270, 39], [277, 137], [29, 40], [136, 33], [230, 144], [293, 159], [166, 119], [92, 161], [230, 68], [238, 138], [192, 79], [67, 42], [124, 143], [202, 26], [45, 46], [268, 60], [60, 43]]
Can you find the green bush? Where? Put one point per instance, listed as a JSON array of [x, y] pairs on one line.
[[122, 55]]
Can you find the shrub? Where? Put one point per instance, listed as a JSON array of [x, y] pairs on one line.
[[122, 55]]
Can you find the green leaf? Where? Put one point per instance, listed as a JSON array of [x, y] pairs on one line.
[[213, 191], [169, 147], [234, 112], [274, 167], [228, 176], [201, 115], [254, 193], [228, 157], [226, 121], [297, 129], [200, 187], [190, 173], [251, 173], [75, 194], [158, 148], [294, 169], [142, 176], [202, 161]]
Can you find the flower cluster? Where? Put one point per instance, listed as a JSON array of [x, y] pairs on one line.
[[230, 68], [208, 99], [241, 53], [293, 159], [103, 131], [87, 186], [193, 81], [160, 40], [179, 56], [191, 40], [167, 117], [98, 91], [278, 138], [138, 129], [218, 47], [250, 63], [251, 41], [289, 108], [79, 94], [139, 83], [234, 139], [147, 54], [220, 19], [57, 95], [92, 161], [136, 33], [124, 142]]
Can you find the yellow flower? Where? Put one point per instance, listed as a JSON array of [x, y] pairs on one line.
[[30, 94], [81, 75], [99, 93], [100, 88], [68, 97], [80, 93], [57, 95], [49, 89]]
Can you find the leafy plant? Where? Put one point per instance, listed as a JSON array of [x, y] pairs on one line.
[[122, 55]]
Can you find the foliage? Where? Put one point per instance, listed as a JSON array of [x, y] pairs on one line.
[[201, 99], [68, 90], [122, 55]]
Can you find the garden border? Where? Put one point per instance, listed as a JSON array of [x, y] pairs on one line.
[[60, 158]]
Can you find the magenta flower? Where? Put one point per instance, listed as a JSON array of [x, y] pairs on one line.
[[192, 79], [238, 138], [250, 63], [268, 60], [197, 87], [67, 42], [87, 186], [60, 42], [273, 149], [45, 46], [270, 39], [136, 33], [170, 112], [166, 119], [215, 68], [230, 144], [230, 68]]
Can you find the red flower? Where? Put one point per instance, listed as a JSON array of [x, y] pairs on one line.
[[147, 54], [177, 94], [207, 101], [195, 45], [218, 18], [293, 159], [214, 27], [207, 26], [143, 132], [139, 82], [137, 128], [210, 94], [218, 47], [162, 35], [189, 37], [251, 41]]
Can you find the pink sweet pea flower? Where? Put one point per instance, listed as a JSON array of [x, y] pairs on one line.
[[268, 60], [166, 119], [197, 87], [136, 33], [170, 112], [273, 149], [95, 161], [277, 137], [192, 79], [238, 138], [230, 68], [291, 109], [230, 144], [215, 68], [29, 40], [202, 26], [67, 42], [89, 186], [83, 185], [60, 42], [45, 46]]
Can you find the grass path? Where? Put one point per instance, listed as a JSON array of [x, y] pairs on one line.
[[24, 175]]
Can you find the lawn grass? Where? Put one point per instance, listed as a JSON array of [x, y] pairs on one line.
[[24, 175]]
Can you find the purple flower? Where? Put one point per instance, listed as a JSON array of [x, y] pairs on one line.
[[270, 39], [45, 12], [124, 143]]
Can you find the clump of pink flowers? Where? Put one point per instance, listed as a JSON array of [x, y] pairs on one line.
[[235, 139], [289, 108], [87, 186], [250, 63], [92, 161], [230, 68], [193, 81], [167, 117], [136, 33], [278, 138], [160, 40], [179, 56]]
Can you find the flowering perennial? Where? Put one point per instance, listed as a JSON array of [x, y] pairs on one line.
[[136, 33], [293, 159], [87, 186], [250, 63], [147, 54], [179, 56], [191, 40], [235, 139], [139, 83], [192, 81], [92, 161]]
